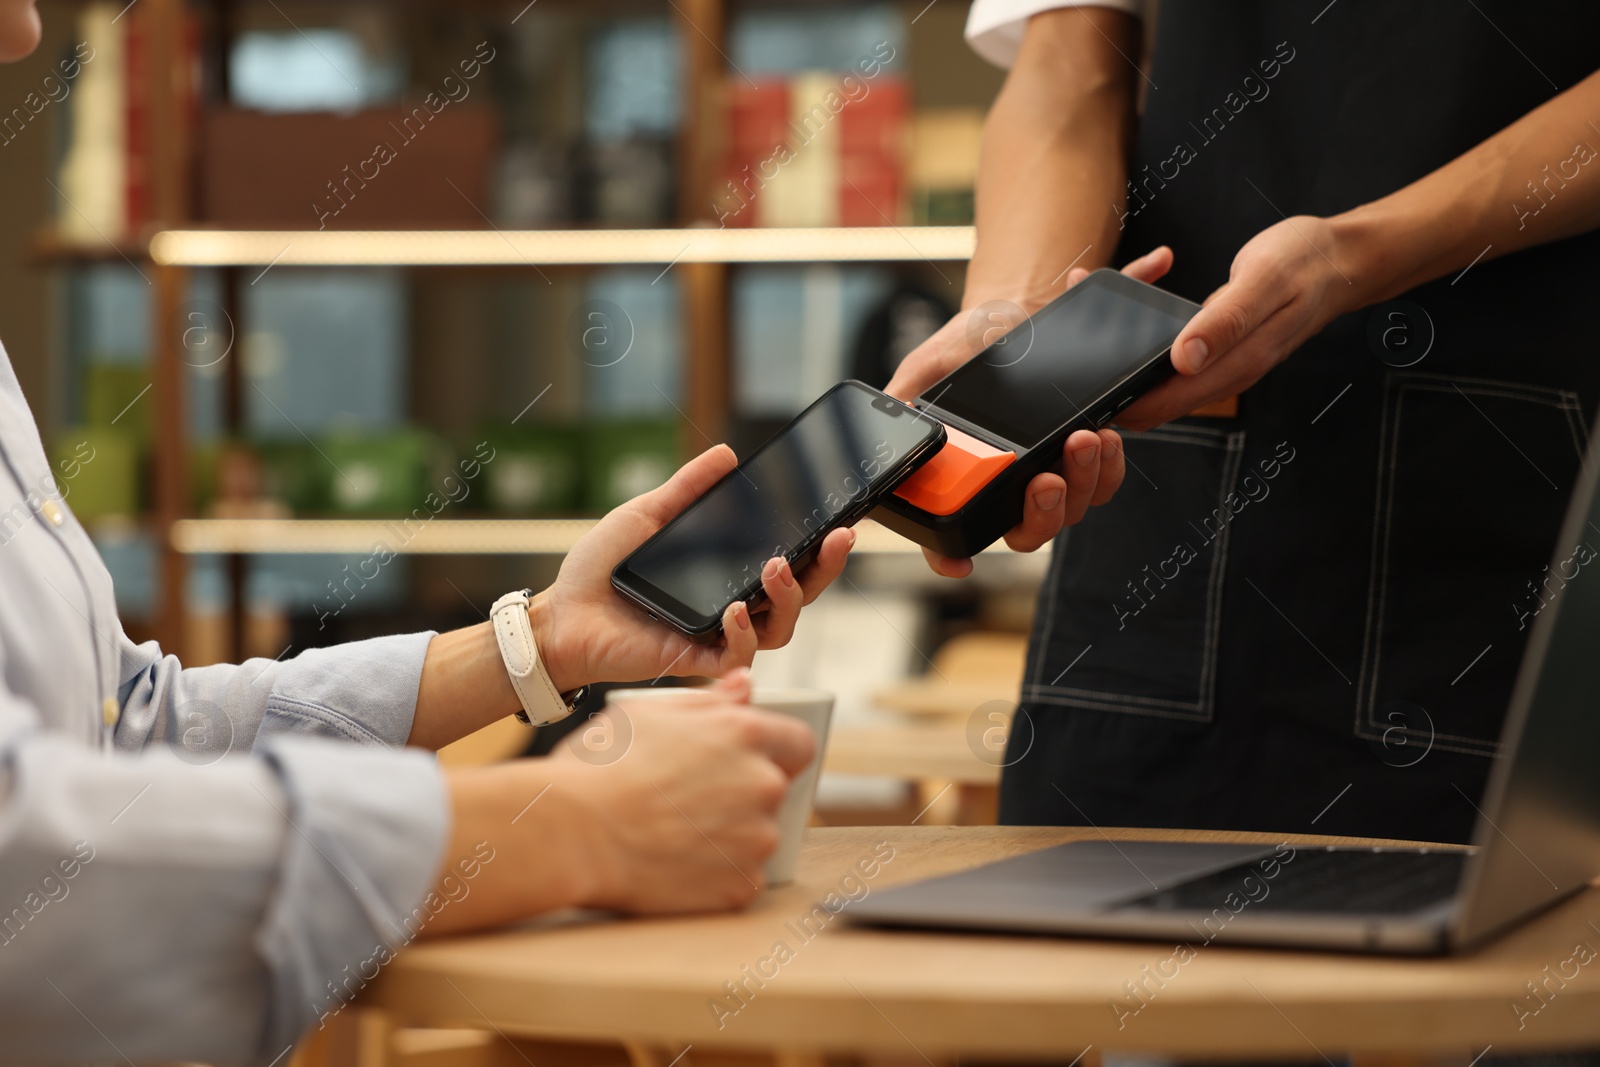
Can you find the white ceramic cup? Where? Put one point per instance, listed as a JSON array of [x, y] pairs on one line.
[[814, 707]]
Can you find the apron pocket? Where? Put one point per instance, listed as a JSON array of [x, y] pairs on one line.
[[1473, 480], [1129, 618]]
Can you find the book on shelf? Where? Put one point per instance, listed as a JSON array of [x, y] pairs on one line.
[[92, 185], [872, 155], [378, 167], [943, 169], [104, 181], [135, 126], [815, 149]]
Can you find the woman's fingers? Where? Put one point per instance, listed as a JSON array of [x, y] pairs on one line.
[[784, 600], [685, 486], [786, 594], [828, 564], [739, 641], [734, 685]]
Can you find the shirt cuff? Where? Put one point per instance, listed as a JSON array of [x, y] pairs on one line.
[[367, 834], [995, 27], [362, 691]]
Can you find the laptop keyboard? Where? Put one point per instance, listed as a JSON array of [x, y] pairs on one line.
[[1340, 882]]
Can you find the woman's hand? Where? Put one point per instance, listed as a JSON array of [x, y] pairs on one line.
[[1286, 284], [686, 818], [587, 633], [681, 820], [1092, 463]]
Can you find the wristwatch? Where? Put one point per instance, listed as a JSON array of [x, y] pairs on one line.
[[513, 632]]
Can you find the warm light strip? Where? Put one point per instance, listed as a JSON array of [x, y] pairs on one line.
[[327, 248], [363, 536], [435, 537]]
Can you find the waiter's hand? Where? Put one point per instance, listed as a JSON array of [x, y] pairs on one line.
[[1092, 462], [1286, 284]]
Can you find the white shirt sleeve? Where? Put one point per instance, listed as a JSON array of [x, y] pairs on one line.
[[211, 875], [156, 909], [994, 27]]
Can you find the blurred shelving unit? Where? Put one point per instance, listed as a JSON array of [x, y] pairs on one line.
[[439, 537], [174, 243]]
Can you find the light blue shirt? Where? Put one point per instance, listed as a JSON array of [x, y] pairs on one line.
[[192, 862]]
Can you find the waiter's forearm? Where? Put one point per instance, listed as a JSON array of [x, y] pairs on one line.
[[1535, 181], [1052, 173]]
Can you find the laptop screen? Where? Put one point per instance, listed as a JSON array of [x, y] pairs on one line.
[[1539, 821]]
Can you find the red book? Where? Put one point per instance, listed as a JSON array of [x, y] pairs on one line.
[[758, 119], [733, 203], [870, 190], [872, 163], [136, 95], [136, 130], [875, 122], [758, 130]]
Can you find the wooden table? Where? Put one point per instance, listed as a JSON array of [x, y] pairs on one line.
[[657, 984]]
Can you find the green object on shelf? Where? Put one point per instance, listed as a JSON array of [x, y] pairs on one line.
[[203, 457], [384, 474], [536, 470], [624, 459], [294, 473], [98, 472], [114, 396], [942, 207]]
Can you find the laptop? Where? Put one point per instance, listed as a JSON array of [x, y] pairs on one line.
[[1537, 839]]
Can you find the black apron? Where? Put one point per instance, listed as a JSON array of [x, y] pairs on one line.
[[1308, 618]]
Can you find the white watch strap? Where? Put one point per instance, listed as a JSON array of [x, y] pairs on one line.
[[514, 634]]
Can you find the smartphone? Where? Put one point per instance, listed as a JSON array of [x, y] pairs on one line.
[[1071, 366], [825, 469]]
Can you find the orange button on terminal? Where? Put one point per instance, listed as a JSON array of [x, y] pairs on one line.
[[952, 477]]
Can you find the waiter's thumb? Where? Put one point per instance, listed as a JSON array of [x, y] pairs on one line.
[[1227, 318]]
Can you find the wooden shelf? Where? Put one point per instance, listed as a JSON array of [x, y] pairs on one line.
[[439, 537], [543, 248], [49, 246], [429, 248], [363, 536]]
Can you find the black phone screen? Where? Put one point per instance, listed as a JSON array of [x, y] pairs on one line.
[[1051, 368], [835, 457]]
